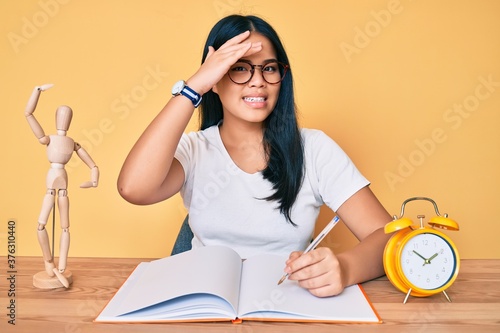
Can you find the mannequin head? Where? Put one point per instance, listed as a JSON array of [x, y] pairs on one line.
[[63, 118]]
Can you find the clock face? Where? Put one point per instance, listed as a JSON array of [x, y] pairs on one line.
[[428, 261]]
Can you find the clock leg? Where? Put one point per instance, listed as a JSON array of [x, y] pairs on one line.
[[447, 297], [407, 295]]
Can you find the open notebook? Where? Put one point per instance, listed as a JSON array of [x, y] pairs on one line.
[[214, 284]]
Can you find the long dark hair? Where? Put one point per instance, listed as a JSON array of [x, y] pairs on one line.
[[282, 141]]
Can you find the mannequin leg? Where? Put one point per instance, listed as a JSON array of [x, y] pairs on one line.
[[63, 203], [43, 237]]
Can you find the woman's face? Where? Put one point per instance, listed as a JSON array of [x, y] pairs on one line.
[[251, 102]]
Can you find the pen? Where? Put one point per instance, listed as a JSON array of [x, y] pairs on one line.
[[316, 241]]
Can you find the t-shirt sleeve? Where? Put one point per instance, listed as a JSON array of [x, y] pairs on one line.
[[185, 155], [332, 173], [184, 152]]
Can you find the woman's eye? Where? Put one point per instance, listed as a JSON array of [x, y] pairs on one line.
[[239, 69], [270, 68]]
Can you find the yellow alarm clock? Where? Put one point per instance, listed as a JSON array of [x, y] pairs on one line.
[[421, 261]]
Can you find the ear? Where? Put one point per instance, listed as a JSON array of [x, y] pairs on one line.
[[214, 89]]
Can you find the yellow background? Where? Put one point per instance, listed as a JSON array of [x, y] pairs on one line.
[[410, 89]]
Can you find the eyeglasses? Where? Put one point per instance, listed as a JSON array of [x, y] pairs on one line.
[[273, 71]]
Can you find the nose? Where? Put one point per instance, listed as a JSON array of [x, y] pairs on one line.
[[257, 79]]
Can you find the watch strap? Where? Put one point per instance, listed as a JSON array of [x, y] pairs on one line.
[[192, 95]]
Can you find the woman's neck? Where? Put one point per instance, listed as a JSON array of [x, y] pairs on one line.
[[235, 134], [244, 143]]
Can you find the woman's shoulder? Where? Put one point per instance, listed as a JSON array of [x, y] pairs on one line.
[[205, 134], [304, 131], [318, 143], [314, 135]]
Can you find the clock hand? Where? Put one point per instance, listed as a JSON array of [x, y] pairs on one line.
[[418, 254], [433, 256], [426, 261]]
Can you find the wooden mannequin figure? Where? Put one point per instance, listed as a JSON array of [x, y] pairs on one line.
[[60, 148]]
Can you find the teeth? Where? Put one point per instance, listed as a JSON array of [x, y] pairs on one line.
[[254, 99]]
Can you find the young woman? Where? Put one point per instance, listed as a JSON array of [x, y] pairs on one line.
[[250, 178]]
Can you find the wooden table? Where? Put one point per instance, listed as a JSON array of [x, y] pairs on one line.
[[475, 307]]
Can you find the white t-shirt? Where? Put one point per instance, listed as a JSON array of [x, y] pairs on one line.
[[227, 207]]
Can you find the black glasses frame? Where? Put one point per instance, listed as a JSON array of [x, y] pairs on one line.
[[252, 71]]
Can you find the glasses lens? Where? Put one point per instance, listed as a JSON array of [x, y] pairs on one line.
[[240, 72], [272, 72]]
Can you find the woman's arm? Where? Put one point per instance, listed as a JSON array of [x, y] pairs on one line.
[[150, 173], [324, 273], [366, 218]]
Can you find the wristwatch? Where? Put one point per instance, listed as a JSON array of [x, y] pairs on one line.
[[180, 88]]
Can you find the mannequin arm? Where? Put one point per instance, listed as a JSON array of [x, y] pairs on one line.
[[94, 170], [28, 112]]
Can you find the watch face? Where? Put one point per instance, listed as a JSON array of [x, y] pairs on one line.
[[428, 261], [177, 88]]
